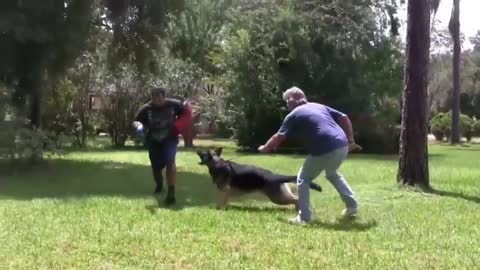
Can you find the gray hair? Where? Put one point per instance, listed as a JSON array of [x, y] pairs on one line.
[[294, 94]]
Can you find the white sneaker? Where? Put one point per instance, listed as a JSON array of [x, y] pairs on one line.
[[298, 221], [350, 212]]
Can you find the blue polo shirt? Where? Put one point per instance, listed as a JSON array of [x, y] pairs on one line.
[[315, 125]]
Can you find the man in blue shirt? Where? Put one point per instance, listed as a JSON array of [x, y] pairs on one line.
[[328, 137]]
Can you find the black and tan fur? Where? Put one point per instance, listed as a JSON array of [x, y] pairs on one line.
[[233, 179]]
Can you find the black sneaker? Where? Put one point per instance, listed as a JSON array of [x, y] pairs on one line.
[[158, 189], [170, 200]]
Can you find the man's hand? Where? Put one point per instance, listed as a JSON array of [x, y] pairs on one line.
[[136, 124], [352, 146], [272, 143]]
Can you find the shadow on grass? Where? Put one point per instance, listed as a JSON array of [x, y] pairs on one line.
[[268, 209], [456, 195], [106, 149], [345, 224], [389, 157], [341, 224], [470, 148], [68, 179]]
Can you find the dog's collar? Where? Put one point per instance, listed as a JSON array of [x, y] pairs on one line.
[[230, 166]]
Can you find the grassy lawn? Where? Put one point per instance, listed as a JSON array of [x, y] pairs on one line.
[[94, 210]]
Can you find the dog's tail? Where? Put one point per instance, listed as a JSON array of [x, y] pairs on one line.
[[293, 179]]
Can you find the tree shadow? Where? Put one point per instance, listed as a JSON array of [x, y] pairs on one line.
[[78, 179], [389, 157], [107, 149], [470, 148], [455, 195], [69, 179]]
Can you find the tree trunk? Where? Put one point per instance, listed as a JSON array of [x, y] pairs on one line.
[[36, 106], [454, 27], [83, 131], [413, 162]]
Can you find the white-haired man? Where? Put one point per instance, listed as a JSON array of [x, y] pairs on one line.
[[328, 137]]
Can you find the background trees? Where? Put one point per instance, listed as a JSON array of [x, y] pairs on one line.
[[61, 59]]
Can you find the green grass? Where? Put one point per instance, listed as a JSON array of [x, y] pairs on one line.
[[94, 210]]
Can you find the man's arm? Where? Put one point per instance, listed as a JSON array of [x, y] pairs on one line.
[[140, 117], [272, 143], [278, 138], [346, 125], [344, 122]]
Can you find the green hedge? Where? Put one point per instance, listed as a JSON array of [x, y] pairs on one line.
[[440, 126]]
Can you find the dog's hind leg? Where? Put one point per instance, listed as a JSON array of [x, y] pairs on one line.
[[223, 199], [281, 194], [293, 198]]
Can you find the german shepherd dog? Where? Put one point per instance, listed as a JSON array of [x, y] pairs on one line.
[[233, 179]]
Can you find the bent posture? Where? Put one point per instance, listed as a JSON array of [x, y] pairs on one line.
[[327, 135]]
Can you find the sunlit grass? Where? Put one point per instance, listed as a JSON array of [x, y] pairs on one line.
[[94, 210]]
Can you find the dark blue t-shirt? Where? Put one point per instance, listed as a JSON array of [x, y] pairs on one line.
[[315, 125]]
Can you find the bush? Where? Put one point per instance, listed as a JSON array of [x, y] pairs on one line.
[[476, 129], [466, 124], [121, 100], [260, 58], [67, 114], [375, 137], [440, 126], [25, 145]]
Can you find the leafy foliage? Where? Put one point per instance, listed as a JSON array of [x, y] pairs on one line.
[[121, 99], [441, 124], [476, 129], [23, 147], [182, 77], [273, 47], [137, 27], [227, 55], [39, 40]]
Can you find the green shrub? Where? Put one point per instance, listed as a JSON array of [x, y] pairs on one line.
[[374, 135], [440, 126], [260, 58], [466, 125], [22, 145], [476, 129]]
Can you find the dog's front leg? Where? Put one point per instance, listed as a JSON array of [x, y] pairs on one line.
[[223, 200]]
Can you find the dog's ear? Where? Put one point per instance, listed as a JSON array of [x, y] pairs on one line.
[[218, 151], [202, 155]]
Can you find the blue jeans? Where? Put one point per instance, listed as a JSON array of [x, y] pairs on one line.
[[312, 168]]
